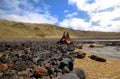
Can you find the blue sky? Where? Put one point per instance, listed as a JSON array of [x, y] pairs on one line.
[[88, 15]]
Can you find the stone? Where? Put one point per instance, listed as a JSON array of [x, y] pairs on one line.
[[3, 67], [3, 58], [39, 62], [66, 64], [19, 56], [68, 76], [9, 74], [1, 73], [97, 58], [80, 55], [76, 74], [40, 71], [10, 65], [80, 46], [91, 46], [70, 48], [20, 65], [25, 74], [80, 73]]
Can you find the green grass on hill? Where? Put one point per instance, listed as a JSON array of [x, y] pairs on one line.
[[9, 29]]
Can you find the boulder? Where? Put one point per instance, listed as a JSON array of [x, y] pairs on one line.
[[66, 64], [76, 74], [97, 58]]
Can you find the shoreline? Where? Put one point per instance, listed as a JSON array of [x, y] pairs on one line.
[[98, 70], [106, 51]]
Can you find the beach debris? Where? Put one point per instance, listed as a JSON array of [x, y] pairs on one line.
[[65, 39]]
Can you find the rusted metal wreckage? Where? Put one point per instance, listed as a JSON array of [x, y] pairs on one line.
[[65, 39]]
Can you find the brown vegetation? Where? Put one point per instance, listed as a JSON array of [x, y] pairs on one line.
[[9, 29]]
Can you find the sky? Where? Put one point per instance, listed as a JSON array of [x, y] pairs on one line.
[[87, 15]]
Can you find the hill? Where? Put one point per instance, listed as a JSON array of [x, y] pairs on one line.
[[10, 29]]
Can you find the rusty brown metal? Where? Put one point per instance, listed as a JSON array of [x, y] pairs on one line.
[[65, 39]]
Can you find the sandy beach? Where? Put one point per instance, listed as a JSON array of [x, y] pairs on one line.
[[99, 70]]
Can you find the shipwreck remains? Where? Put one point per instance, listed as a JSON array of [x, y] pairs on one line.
[[65, 39]]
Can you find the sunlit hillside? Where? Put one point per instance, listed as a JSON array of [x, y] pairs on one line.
[[10, 29]]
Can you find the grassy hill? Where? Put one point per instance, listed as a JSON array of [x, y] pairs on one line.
[[10, 29]]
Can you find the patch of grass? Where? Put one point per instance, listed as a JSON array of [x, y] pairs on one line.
[[10, 29]]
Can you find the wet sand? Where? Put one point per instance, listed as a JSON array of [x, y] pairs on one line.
[[106, 51], [99, 70]]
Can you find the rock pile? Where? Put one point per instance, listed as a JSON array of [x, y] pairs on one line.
[[33, 60]]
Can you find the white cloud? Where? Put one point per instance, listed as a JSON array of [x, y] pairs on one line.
[[97, 5], [71, 15], [31, 18], [75, 23], [66, 11], [28, 13], [101, 11]]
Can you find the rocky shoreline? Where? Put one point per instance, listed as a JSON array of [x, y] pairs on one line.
[[45, 59], [36, 60]]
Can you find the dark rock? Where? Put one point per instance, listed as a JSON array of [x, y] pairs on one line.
[[96, 58], [66, 64], [70, 48], [10, 74], [62, 48], [62, 65], [80, 55], [20, 65], [19, 56], [3, 58], [39, 62], [91, 46], [50, 70], [54, 61], [70, 66]]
